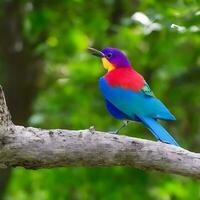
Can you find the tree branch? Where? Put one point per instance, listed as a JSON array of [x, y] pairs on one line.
[[35, 148]]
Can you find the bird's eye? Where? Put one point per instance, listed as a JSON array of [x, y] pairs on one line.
[[109, 55]]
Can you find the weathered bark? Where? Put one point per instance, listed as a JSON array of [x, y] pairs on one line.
[[34, 148]]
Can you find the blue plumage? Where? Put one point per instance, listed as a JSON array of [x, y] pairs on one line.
[[132, 105], [115, 112]]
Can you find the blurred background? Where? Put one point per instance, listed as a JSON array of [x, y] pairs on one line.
[[51, 81]]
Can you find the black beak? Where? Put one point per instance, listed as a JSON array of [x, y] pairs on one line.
[[96, 52]]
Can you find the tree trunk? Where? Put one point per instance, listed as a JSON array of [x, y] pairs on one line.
[[21, 68]]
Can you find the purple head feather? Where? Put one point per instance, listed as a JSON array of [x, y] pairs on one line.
[[116, 57]]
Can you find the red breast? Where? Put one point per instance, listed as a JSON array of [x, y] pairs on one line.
[[126, 78]]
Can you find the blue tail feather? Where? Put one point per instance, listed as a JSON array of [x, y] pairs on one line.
[[157, 130]]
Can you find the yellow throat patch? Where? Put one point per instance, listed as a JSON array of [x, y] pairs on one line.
[[107, 65]]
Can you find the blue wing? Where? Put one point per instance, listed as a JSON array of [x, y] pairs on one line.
[[133, 103]]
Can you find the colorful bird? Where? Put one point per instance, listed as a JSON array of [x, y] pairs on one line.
[[128, 97]]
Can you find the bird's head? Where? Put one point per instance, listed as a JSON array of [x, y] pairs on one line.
[[112, 58]]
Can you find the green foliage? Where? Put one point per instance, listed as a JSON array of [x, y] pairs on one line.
[[169, 59]]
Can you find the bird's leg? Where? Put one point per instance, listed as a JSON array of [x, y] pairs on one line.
[[125, 123]]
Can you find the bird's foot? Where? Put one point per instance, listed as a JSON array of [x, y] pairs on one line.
[[92, 129], [125, 123]]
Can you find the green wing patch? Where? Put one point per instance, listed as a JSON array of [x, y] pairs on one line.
[[147, 90]]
